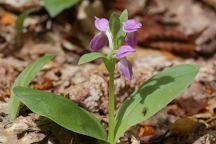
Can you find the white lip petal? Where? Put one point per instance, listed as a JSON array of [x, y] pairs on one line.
[[109, 36]]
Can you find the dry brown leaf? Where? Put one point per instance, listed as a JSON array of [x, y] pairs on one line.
[[155, 35], [146, 131], [191, 106], [208, 90], [176, 47], [183, 126], [47, 84], [7, 19], [133, 6]]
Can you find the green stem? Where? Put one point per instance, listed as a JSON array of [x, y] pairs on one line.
[[111, 106], [111, 54]]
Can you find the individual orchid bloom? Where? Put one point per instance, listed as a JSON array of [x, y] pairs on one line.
[[103, 36], [130, 27], [124, 66], [124, 51], [98, 41]]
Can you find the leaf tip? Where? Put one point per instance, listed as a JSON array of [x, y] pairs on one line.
[[52, 55], [194, 66], [80, 61], [125, 11]]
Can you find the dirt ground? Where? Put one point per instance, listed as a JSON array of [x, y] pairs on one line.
[[174, 32]]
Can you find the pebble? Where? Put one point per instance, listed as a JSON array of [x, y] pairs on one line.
[[3, 139]]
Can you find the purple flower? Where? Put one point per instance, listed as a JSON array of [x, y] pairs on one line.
[[124, 66], [130, 27], [100, 39], [101, 24], [124, 51], [131, 38]]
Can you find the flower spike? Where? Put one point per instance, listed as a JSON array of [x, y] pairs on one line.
[[99, 41]]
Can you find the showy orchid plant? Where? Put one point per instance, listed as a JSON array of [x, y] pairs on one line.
[[151, 96], [110, 32]]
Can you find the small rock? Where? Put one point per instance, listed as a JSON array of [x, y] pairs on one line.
[[3, 139], [32, 137], [22, 5]]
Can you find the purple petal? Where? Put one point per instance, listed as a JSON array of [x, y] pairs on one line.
[[131, 25], [131, 38], [101, 24], [125, 67], [98, 41], [124, 51]]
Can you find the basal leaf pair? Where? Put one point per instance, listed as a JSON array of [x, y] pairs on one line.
[[153, 95]]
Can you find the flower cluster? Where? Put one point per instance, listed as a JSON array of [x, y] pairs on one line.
[[104, 36]]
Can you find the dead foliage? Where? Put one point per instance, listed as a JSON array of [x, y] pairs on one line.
[[191, 106], [155, 35]]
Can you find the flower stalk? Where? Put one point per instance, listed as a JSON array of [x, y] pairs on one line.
[[111, 107], [111, 98]]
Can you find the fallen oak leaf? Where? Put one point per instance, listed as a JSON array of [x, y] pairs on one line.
[[146, 131], [190, 105], [149, 134], [208, 90], [155, 35], [158, 33], [183, 48], [184, 126], [47, 84], [134, 7]]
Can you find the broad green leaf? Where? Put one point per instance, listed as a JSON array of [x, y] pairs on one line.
[[62, 111], [124, 16], [23, 80], [153, 95], [21, 18], [54, 7], [95, 55], [90, 57], [114, 25]]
